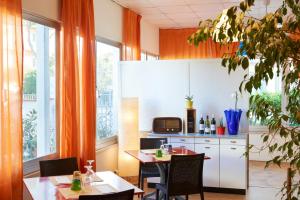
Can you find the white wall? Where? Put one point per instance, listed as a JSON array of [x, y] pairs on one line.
[[149, 37], [108, 24], [107, 158], [108, 20], [161, 87]]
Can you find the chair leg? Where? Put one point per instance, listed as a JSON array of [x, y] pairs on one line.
[[142, 183], [139, 181], [187, 197], [202, 195], [157, 194]]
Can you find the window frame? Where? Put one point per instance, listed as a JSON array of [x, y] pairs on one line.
[[105, 142], [149, 54], [32, 166]]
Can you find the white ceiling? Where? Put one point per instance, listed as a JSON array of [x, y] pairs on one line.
[[187, 13]]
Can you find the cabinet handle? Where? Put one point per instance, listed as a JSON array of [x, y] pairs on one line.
[[182, 140], [232, 141], [207, 140], [233, 148], [207, 147]]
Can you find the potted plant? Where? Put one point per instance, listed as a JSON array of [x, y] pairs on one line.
[[189, 102], [221, 127], [233, 117], [274, 40]]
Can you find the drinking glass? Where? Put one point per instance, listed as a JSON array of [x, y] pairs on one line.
[[76, 182]]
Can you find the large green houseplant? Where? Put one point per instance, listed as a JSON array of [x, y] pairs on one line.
[[274, 41]]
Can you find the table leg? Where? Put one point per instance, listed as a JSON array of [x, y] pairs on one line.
[[162, 168]]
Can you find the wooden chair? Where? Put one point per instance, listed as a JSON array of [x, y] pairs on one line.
[[185, 177], [149, 170], [125, 195], [58, 167]]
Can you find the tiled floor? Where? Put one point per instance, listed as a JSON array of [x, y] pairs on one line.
[[264, 184]]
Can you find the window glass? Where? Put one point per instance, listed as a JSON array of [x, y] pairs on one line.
[[108, 58], [271, 91], [143, 56], [152, 57], [39, 123]]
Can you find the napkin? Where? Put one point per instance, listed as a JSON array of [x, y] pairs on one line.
[[58, 180], [67, 193], [148, 151]]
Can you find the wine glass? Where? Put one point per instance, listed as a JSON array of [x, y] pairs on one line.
[[90, 174], [162, 144]]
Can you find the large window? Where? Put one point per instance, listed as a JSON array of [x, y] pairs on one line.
[[108, 57], [271, 91], [39, 121]]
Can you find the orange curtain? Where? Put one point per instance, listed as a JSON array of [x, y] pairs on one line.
[[78, 81], [11, 80], [131, 45], [173, 45]]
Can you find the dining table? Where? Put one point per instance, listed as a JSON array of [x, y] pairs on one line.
[[147, 156], [56, 187]]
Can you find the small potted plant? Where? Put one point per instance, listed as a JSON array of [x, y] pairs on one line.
[[233, 117], [221, 127], [189, 102]]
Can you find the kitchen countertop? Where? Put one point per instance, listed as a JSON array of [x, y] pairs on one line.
[[198, 135]]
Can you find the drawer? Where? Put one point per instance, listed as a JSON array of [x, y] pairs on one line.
[[207, 140], [189, 146], [182, 140], [233, 142]]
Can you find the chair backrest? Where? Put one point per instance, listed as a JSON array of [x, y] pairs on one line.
[[65, 166], [125, 195], [185, 174], [151, 143]]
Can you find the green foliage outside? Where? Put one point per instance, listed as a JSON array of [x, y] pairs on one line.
[[29, 86], [273, 99], [104, 114], [275, 41], [30, 135]]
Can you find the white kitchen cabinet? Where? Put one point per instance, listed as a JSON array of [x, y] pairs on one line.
[[227, 167], [211, 176], [189, 146], [232, 166]]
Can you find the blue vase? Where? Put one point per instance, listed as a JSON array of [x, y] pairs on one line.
[[233, 120]]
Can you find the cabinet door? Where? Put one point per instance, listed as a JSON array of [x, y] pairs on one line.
[[188, 146], [232, 166], [211, 176]]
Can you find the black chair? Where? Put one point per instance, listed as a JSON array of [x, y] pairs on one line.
[[149, 170], [185, 177], [58, 167], [125, 195]]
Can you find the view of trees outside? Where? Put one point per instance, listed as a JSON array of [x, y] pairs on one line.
[[38, 90], [106, 75], [270, 91]]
